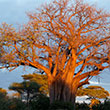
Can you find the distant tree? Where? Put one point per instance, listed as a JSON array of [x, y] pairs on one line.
[[28, 90], [16, 95], [3, 91], [94, 93], [3, 94], [67, 40], [39, 79], [4, 100], [10, 103]]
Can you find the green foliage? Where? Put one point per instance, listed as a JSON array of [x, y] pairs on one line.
[[41, 103], [16, 87], [82, 106], [2, 95], [4, 102], [7, 103], [17, 104], [25, 86], [3, 91], [39, 79], [93, 92], [59, 105], [97, 92], [27, 89], [102, 106]]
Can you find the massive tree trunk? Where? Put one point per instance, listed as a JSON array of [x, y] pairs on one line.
[[60, 90]]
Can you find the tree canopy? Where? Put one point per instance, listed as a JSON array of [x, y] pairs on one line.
[[39, 79], [93, 92], [67, 40], [27, 89], [3, 91]]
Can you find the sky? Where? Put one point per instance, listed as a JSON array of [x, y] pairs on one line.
[[14, 12]]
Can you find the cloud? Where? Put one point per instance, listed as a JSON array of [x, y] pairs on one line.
[[93, 82], [82, 99], [98, 83]]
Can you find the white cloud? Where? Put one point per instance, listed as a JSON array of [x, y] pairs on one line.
[[82, 99], [94, 82], [3, 70], [99, 83]]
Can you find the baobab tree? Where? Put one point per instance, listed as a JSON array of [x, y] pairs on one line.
[[66, 40]]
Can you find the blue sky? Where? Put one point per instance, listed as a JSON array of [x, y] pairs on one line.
[[14, 12]]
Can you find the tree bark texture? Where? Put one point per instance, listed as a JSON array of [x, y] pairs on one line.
[[59, 90]]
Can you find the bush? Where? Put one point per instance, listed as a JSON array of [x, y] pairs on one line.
[[102, 106], [17, 104], [4, 102], [82, 106], [11, 103], [59, 105], [40, 103]]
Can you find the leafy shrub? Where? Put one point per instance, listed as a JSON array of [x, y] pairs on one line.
[[102, 106], [82, 106], [17, 104], [11, 103], [59, 105], [40, 103], [4, 102]]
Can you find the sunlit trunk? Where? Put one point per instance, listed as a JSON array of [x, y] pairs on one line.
[[61, 91]]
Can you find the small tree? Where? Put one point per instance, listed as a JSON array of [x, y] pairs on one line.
[[4, 100], [3, 91], [94, 93], [28, 90], [39, 79]]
